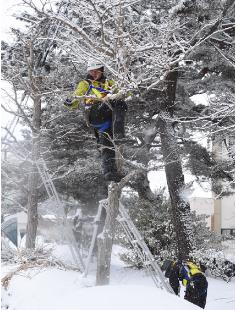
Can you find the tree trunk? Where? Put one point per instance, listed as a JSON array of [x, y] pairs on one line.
[[105, 239], [119, 158], [174, 174], [32, 220]]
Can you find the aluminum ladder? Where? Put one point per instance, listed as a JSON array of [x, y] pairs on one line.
[[53, 195], [138, 244], [142, 250]]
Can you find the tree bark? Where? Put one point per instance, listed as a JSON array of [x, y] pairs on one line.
[[174, 174], [105, 239], [32, 220]]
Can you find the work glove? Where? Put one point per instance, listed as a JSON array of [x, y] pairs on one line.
[[105, 99], [68, 102], [191, 284]]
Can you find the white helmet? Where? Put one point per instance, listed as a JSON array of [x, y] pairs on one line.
[[94, 64]]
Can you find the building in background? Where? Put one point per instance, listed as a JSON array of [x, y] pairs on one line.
[[224, 207]]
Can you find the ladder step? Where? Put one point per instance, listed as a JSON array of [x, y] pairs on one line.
[[52, 193], [148, 262], [143, 251]]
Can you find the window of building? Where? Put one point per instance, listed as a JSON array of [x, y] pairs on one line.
[[228, 232]]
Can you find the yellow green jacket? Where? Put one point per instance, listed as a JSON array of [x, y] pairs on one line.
[[189, 270], [93, 90]]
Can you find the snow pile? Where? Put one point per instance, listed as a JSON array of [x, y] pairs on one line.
[[49, 288], [60, 290], [127, 298]]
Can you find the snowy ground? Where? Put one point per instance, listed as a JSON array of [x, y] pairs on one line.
[[129, 289]]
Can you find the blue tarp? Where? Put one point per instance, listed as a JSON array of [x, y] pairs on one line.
[[9, 228]]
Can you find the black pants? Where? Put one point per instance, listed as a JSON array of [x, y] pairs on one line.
[[118, 119], [196, 290], [107, 151], [101, 113], [174, 278]]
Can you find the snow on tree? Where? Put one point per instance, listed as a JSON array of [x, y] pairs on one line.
[[161, 54]]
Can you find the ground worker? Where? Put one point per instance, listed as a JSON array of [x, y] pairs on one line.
[[192, 278], [106, 116]]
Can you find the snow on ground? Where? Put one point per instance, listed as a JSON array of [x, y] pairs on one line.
[[221, 295], [61, 290], [130, 289]]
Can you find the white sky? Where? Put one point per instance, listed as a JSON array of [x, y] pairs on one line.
[[7, 9], [7, 118]]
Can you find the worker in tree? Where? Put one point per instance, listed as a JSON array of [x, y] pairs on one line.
[[192, 278], [105, 115]]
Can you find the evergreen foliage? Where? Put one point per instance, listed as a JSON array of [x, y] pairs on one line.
[[153, 220]]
